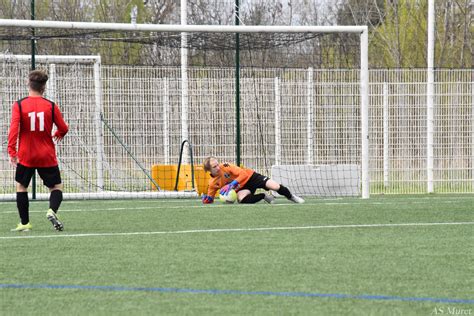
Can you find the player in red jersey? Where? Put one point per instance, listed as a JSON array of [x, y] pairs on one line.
[[226, 177], [31, 147]]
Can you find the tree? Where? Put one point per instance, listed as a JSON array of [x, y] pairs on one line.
[[398, 32], [400, 41], [454, 34]]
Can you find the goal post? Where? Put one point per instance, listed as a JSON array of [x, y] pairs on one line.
[[83, 160], [362, 31], [50, 93]]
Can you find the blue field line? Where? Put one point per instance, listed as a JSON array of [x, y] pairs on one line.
[[236, 292]]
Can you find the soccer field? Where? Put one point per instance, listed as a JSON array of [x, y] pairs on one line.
[[398, 255]]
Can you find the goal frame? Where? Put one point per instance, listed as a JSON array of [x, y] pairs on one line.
[[362, 30], [95, 60]]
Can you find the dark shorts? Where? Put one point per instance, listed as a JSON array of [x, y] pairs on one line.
[[51, 175], [256, 181]]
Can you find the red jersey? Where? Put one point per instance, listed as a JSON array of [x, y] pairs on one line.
[[30, 137], [227, 173]]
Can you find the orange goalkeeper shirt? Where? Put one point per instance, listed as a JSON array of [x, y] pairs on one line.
[[227, 173]]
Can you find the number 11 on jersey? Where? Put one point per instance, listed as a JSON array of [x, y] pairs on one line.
[[33, 116]]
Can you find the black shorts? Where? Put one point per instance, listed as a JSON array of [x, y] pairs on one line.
[[256, 181], [51, 175]]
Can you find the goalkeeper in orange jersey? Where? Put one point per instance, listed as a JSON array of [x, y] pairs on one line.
[[226, 177]]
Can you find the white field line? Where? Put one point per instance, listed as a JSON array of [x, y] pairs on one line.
[[230, 230], [160, 206], [467, 196], [156, 207]]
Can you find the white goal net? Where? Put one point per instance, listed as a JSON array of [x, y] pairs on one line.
[[127, 122]]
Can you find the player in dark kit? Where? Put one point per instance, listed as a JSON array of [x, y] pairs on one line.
[[31, 147]]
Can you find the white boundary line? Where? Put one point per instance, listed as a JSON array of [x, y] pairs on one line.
[[163, 206], [227, 230], [156, 207], [323, 201]]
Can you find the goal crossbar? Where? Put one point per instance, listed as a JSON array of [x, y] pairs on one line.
[[361, 30], [183, 28], [79, 59]]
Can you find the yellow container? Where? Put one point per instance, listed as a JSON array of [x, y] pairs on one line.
[[201, 179], [165, 177]]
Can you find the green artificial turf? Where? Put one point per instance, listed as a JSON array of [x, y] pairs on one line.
[[383, 256]]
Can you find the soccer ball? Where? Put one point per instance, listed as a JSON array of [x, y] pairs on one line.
[[231, 197]]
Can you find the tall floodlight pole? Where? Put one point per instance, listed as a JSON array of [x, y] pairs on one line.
[[430, 99], [184, 82], [33, 43], [33, 67], [237, 86]]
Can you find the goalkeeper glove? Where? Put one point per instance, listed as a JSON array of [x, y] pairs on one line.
[[225, 189], [207, 199]]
